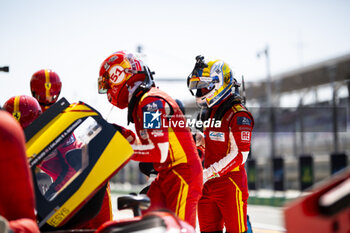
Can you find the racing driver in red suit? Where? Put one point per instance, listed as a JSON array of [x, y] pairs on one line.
[[45, 86], [227, 145], [163, 138]]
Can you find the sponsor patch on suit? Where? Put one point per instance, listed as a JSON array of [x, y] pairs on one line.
[[245, 135], [244, 121], [217, 136]]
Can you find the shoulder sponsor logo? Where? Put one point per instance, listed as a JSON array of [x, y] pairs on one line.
[[217, 136], [154, 106], [243, 121]]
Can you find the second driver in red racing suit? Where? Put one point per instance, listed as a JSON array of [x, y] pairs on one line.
[[227, 145], [163, 136]]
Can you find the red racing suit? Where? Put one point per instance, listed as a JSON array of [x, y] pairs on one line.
[[225, 191], [171, 148], [17, 201]]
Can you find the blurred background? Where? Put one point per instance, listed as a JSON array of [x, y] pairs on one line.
[[295, 58]]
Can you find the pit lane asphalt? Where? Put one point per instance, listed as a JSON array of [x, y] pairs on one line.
[[264, 219]]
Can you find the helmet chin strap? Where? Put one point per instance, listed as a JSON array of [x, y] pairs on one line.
[[135, 96], [140, 89]]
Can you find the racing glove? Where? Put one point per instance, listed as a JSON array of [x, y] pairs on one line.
[[127, 133], [209, 173]]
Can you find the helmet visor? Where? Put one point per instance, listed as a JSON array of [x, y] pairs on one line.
[[103, 84], [199, 82], [203, 91]]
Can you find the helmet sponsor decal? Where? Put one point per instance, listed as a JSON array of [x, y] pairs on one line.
[[47, 86], [17, 115], [134, 62], [112, 59], [217, 66], [107, 64], [117, 74], [16, 112]]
